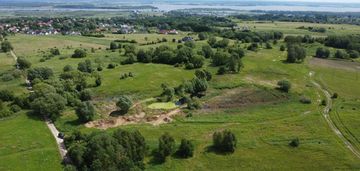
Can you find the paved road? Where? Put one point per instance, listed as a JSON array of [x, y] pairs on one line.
[[327, 117], [50, 125]]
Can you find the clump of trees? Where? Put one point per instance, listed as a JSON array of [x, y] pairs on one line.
[[85, 112], [166, 146], [41, 73], [224, 141], [186, 149], [122, 150], [322, 53], [23, 63], [296, 53], [79, 53]]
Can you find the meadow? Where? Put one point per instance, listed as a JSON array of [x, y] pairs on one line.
[[263, 119]]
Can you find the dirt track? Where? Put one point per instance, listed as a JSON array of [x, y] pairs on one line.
[[327, 117]]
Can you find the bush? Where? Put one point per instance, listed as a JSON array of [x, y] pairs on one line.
[[6, 46], [305, 100], [85, 112], [6, 95], [295, 142], [85, 95], [124, 103], [340, 54], [79, 53], [284, 85], [166, 146], [186, 149], [335, 96], [221, 70], [42, 73], [111, 66], [68, 68], [15, 108], [49, 105], [224, 141], [282, 48], [5, 113], [23, 63]]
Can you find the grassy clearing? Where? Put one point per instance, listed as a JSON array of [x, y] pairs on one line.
[[291, 27], [166, 106], [27, 144]]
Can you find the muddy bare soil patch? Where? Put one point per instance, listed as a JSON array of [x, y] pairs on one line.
[[242, 97], [337, 64]]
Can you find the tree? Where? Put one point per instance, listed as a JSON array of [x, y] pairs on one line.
[[133, 143], [85, 95], [211, 41], [85, 66], [98, 81], [50, 105], [55, 51], [79, 53], [168, 93], [113, 46], [202, 36], [282, 48], [197, 61], [222, 43], [143, 56], [166, 146], [85, 112], [220, 58], [190, 44], [199, 86], [322, 53], [268, 45], [284, 85], [186, 149], [203, 74], [23, 63], [6, 95], [124, 103], [42, 73], [207, 51], [295, 53], [224, 141], [68, 68], [340, 54], [129, 48], [6, 46]]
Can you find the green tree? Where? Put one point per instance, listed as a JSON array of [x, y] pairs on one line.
[[23, 63], [296, 53], [322, 53], [224, 141], [220, 58], [6, 46], [85, 112], [124, 103], [79, 53], [42, 73], [207, 51], [85, 66], [202, 36], [6, 95], [186, 149], [49, 105], [85, 95], [133, 143], [166, 146], [212, 41]]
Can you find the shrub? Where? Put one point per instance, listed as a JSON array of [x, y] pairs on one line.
[[295, 142], [305, 100], [23, 63], [6, 95], [221, 70], [42, 73], [284, 85], [335, 96], [68, 68], [186, 149], [6, 46], [111, 66], [15, 108], [79, 53], [282, 48]]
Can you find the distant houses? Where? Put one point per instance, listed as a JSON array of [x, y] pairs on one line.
[[126, 29], [174, 32]]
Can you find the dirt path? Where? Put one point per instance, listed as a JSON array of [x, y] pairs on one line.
[[330, 122], [60, 142]]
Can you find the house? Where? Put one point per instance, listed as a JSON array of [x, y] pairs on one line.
[[168, 31]]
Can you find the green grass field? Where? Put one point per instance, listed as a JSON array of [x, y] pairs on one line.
[[27, 144], [263, 119]]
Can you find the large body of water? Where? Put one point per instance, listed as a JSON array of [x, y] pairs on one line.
[[169, 7]]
